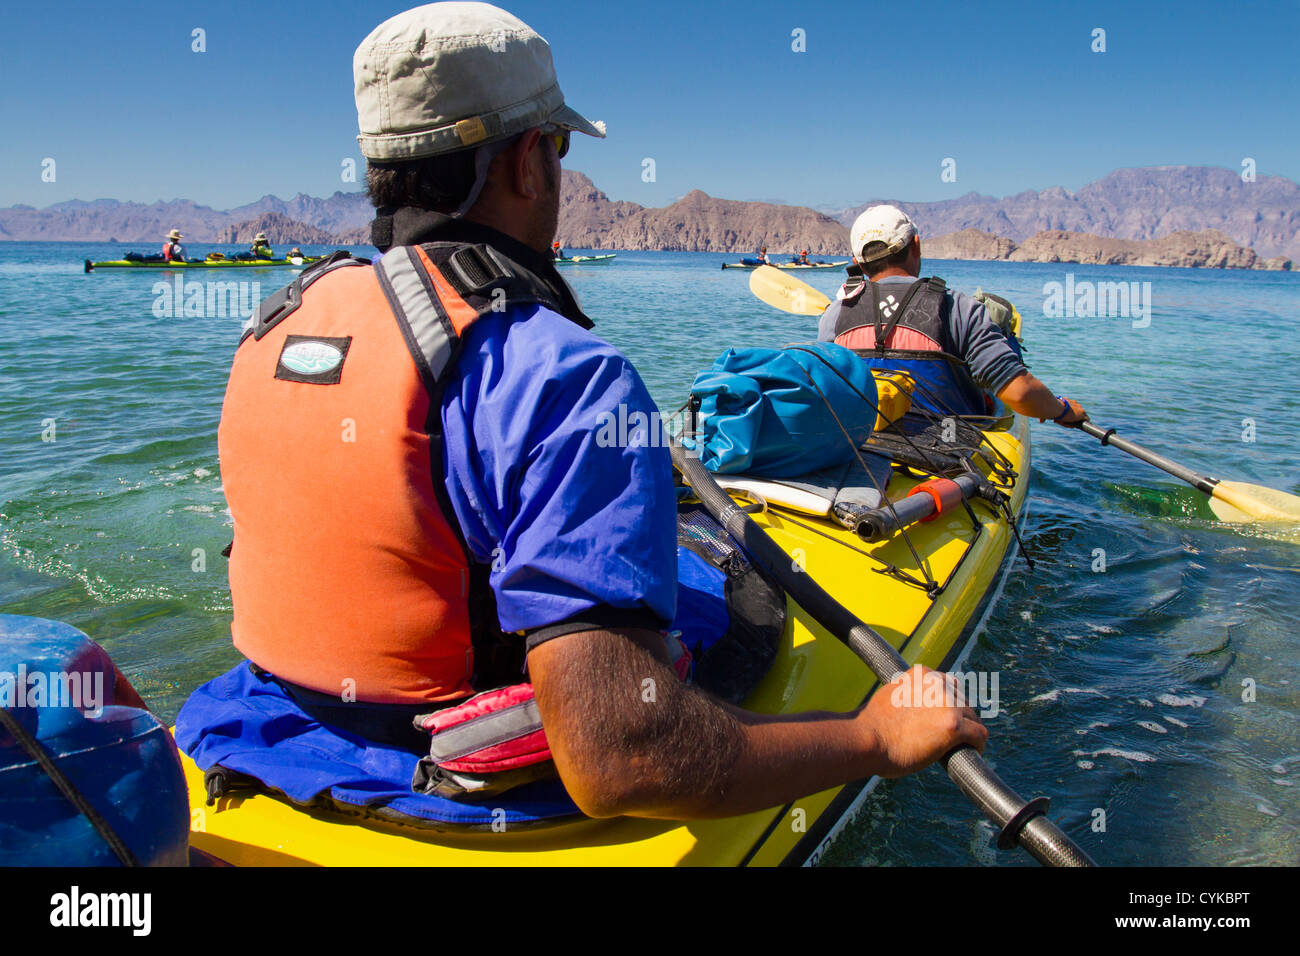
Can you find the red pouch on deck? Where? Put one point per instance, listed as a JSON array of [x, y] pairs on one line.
[[494, 741], [487, 744]]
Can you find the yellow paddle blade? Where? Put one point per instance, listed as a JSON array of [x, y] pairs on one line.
[[783, 291], [1239, 502]]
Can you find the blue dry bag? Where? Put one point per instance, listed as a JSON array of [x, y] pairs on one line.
[[774, 412]]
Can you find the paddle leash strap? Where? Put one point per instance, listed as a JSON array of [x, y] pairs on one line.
[[1019, 821], [1107, 436]]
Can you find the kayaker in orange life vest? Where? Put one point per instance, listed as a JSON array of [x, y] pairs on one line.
[[556, 251], [172, 250], [419, 505], [944, 338], [803, 258]]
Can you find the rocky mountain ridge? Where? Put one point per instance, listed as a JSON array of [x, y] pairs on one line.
[[1148, 204], [1141, 203]]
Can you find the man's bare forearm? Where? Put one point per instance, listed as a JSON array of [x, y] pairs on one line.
[[1030, 397], [629, 738]]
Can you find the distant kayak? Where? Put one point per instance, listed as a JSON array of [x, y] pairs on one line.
[[585, 260], [793, 266], [204, 264]]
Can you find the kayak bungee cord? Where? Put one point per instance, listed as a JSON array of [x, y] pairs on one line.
[[985, 490], [1018, 821]]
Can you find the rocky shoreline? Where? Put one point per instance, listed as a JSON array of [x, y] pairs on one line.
[[1207, 249]]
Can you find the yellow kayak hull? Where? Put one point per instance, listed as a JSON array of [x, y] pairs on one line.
[[813, 671]]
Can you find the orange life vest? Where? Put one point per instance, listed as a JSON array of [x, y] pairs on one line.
[[348, 573]]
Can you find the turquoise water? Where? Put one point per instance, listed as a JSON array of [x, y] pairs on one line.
[[1122, 689]]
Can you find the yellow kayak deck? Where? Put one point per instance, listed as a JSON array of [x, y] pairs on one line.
[[813, 671]]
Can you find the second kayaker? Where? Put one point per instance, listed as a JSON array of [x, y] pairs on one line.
[[261, 248], [172, 250], [556, 251], [421, 506], [896, 320]]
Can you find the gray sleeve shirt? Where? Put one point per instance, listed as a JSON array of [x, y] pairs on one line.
[[978, 342]]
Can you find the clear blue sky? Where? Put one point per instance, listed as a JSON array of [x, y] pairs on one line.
[[711, 91]]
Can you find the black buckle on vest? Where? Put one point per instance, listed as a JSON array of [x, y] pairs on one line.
[[278, 306], [473, 270]]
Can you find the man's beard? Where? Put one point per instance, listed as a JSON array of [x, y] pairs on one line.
[[547, 219]]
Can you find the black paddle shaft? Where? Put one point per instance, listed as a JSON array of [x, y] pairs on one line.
[[1107, 436], [1041, 838]]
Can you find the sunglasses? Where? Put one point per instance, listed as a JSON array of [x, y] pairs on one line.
[[560, 137]]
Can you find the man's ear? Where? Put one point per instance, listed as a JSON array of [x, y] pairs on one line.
[[524, 165]]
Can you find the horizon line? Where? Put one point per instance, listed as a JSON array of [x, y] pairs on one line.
[[821, 209]]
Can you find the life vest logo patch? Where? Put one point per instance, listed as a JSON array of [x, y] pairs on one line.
[[313, 359]]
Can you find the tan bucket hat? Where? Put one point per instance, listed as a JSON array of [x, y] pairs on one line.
[[175, 234], [260, 237], [449, 76]]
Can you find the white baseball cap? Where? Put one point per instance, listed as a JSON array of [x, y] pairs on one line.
[[885, 229], [450, 76]]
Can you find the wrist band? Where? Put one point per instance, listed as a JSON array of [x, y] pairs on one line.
[[1066, 402]]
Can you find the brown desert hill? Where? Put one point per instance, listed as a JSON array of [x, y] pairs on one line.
[[695, 223], [1206, 249], [588, 218], [700, 223], [360, 236], [278, 228], [967, 244]]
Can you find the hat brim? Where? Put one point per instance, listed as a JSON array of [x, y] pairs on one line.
[[568, 118]]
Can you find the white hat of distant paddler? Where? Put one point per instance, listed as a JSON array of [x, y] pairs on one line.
[[879, 232], [449, 76], [175, 234]]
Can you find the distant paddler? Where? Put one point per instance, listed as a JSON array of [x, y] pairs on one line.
[[946, 340], [172, 250], [803, 258], [556, 251], [261, 248], [295, 255]]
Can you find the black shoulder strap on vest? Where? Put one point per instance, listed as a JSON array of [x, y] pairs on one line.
[[873, 304], [278, 306], [936, 304], [487, 279]]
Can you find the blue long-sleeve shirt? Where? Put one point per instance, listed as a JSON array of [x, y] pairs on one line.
[[578, 530]]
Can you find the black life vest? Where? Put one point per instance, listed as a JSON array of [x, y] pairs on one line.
[[905, 328]]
